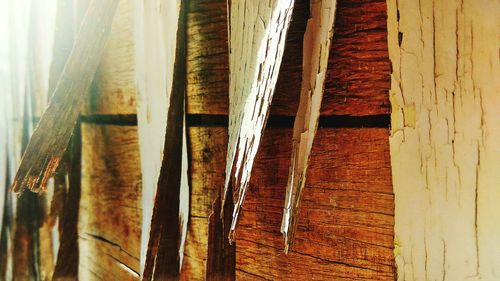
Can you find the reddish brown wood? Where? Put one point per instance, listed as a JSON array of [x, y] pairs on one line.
[[346, 220], [359, 75]]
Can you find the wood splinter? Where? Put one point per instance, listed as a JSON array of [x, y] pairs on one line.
[[257, 32], [317, 40], [53, 133]]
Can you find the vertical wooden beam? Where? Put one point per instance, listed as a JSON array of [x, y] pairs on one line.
[[444, 140]]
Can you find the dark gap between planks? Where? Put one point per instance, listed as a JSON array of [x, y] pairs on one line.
[[274, 121]]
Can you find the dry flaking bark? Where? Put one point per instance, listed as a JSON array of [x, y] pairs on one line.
[[160, 73], [444, 138], [257, 32], [317, 40], [52, 135]]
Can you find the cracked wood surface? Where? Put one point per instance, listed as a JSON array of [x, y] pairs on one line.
[[317, 39], [444, 139], [160, 37], [44, 151], [346, 225], [362, 46], [358, 69], [356, 82], [257, 32]]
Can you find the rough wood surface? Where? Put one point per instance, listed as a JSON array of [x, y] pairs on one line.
[[359, 68], [317, 39], [257, 33], [44, 151], [109, 220], [66, 205], [346, 224], [161, 79], [208, 152], [445, 138]]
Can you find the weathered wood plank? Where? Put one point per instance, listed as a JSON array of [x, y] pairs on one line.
[[44, 151], [208, 151], [346, 224], [66, 205], [359, 68], [109, 222], [113, 89], [445, 138]]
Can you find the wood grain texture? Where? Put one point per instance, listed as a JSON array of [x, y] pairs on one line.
[[345, 228], [257, 34], [44, 151], [208, 152], [317, 40], [113, 89], [110, 212], [346, 224], [445, 137], [359, 68]]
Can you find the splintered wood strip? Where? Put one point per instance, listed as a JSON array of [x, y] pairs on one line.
[[445, 136], [160, 73], [109, 219], [345, 229], [317, 40], [33, 240], [154, 86], [257, 32], [51, 137], [358, 74], [66, 267], [169, 218]]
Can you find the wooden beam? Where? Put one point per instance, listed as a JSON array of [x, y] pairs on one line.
[[444, 138], [109, 221]]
